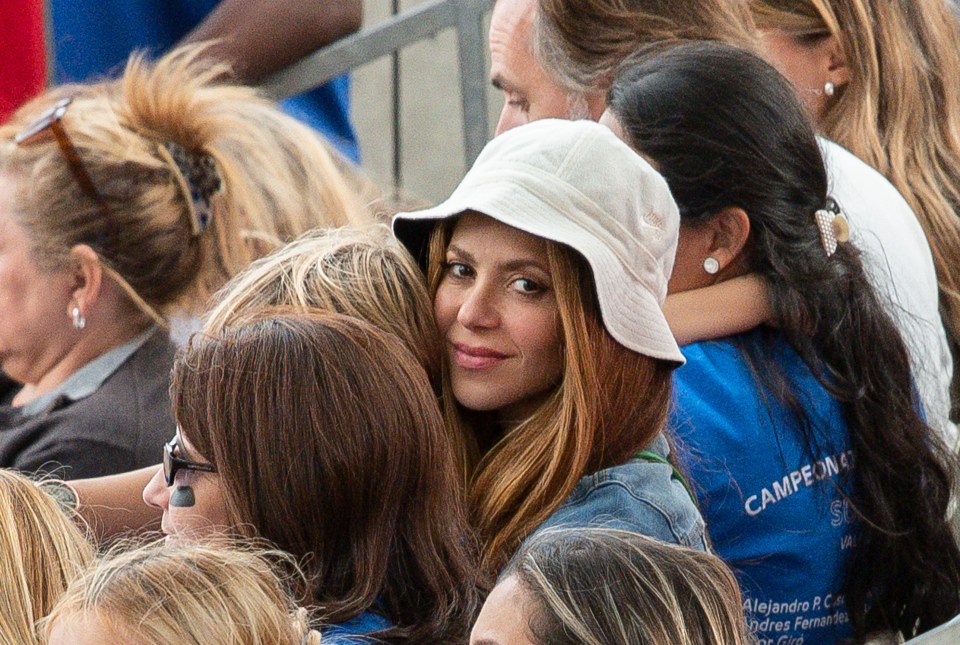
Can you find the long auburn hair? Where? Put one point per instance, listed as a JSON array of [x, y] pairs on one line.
[[899, 112], [329, 444], [610, 403], [727, 130]]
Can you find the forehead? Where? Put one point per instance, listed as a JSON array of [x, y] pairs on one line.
[[511, 47], [489, 239]]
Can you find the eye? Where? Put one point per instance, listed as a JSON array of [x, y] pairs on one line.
[[459, 270], [517, 102], [526, 286]]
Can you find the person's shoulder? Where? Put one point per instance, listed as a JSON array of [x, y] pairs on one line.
[[866, 196], [639, 496]]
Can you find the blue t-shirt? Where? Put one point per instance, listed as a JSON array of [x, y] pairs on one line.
[[93, 38], [353, 631], [773, 510]]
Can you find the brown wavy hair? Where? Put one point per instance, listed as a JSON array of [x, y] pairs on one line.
[[329, 444], [653, 592], [610, 403], [581, 43], [899, 112]]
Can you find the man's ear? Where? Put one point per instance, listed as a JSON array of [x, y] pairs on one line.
[[86, 274], [731, 230]]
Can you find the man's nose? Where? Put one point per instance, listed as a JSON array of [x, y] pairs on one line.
[[510, 117]]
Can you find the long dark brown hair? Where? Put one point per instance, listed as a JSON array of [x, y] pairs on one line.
[[328, 443], [727, 131]]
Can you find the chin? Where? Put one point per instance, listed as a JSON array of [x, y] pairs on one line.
[[481, 401]]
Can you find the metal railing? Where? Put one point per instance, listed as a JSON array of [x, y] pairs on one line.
[[388, 38]]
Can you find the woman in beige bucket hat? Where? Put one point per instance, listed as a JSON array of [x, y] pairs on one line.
[[549, 265]]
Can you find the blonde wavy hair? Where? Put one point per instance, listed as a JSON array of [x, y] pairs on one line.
[[612, 587], [41, 551], [362, 272], [278, 178], [899, 112], [188, 595], [609, 404]]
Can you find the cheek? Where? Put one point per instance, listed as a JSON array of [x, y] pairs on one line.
[[446, 305], [688, 272], [196, 508], [540, 338]]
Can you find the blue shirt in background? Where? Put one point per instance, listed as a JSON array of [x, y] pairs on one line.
[[773, 511], [355, 630], [93, 38]]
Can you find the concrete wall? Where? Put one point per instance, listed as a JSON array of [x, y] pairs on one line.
[[431, 130]]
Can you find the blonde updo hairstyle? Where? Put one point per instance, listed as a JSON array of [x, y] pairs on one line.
[[188, 595], [277, 179], [41, 551]]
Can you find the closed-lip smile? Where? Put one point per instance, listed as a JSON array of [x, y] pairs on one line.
[[476, 358]]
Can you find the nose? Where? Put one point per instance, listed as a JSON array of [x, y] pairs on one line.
[[510, 117], [156, 493], [479, 309]]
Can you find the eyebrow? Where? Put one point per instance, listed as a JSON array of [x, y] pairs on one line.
[[502, 84], [512, 265], [486, 641]]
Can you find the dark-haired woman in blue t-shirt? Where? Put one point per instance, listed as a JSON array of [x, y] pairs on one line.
[[818, 477]]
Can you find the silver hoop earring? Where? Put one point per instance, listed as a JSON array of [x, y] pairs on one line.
[[829, 88], [79, 322], [711, 265]]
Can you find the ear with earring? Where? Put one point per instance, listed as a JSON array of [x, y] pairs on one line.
[[79, 322], [711, 265]]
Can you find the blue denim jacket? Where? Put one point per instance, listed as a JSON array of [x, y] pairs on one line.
[[640, 496]]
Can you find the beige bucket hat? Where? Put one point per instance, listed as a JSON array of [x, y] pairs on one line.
[[576, 183]]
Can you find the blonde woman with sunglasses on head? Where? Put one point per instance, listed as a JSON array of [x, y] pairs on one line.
[[123, 204]]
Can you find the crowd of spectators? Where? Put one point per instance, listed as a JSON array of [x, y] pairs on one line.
[[673, 363]]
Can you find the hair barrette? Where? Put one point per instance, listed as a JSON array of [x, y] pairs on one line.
[[833, 226], [199, 181]]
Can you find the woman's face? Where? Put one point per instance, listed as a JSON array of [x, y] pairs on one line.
[[497, 312], [805, 65], [505, 617], [35, 328], [194, 507]]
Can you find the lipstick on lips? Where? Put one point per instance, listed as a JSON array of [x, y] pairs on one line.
[[476, 358]]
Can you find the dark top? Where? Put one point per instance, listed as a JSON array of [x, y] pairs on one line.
[[110, 416]]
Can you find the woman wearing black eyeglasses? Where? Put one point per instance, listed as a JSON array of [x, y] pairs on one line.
[[124, 205], [321, 435]]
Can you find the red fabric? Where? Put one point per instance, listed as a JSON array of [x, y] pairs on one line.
[[22, 53]]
